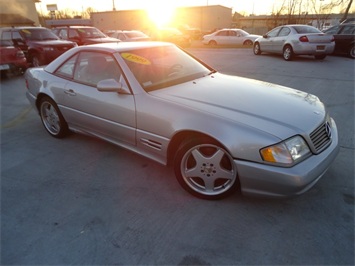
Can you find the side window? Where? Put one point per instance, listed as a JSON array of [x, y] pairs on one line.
[[333, 30], [232, 33], [16, 35], [93, 67], [222, 33], [273, 33], [121, 36], [6, 35], [284, 32], [348, 30], [67, 69]]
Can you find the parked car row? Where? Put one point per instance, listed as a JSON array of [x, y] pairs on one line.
[[40, 45], [83, 35]]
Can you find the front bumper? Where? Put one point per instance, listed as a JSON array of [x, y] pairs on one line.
[[266, 180]]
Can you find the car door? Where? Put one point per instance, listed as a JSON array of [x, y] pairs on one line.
[[237, 37], [267, 42], [280, 40], [344, 38], [222, 37], [110, 115]]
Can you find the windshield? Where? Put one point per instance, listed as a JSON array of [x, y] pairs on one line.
[[133, 34], [163, 66], [91, 33], [38, 34]]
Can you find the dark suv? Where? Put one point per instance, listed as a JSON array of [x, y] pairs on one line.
[[344, 36], [83, 35], [40, 45]]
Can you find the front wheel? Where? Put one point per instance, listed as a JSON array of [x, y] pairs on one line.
[[52, 119], [288, 53], [204, 169], [248, 43], [256, 49], [37, 60]]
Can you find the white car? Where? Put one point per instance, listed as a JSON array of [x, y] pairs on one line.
[[292, 40], [219, 132], [229, 37]]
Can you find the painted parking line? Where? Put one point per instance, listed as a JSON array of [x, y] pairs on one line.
[[19, 118]]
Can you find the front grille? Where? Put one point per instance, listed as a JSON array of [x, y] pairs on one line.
[[321, 137]]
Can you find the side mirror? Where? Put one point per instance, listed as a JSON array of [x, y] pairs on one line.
[[265, 36], [111, 85]]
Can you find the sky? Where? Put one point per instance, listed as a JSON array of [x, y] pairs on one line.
[[258, 7]]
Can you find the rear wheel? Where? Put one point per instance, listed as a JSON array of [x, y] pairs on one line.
[[205, 169], [52, 119], [248, 42], [212, 43], [288, 53], [256, 49]]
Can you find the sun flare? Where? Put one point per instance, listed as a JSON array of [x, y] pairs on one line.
[[161, 14]]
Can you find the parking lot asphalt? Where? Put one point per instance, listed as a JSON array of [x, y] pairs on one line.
[[82, 201]]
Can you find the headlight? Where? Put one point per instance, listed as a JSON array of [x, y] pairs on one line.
[[286, 152]]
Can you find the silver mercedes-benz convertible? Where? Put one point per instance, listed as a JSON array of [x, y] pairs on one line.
[[220, 133]]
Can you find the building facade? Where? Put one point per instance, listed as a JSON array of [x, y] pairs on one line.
[[205, 18], [12, 11]]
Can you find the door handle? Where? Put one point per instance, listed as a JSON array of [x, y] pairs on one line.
[[70, 92]]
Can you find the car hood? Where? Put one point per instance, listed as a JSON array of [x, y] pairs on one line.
[[53, 43], [101, 40], [277, 110]]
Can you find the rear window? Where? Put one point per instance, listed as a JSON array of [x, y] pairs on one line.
[[306, 29]]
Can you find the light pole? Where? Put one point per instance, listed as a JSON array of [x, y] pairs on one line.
[[113, 5]]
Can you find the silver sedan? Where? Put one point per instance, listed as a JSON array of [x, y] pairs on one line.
[[292, 40], [219, 132], [229, 37]]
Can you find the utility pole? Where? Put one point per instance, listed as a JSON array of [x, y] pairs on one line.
[[113, 5]]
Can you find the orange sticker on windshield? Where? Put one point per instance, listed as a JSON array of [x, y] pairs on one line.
[[26, 31], [135, 58]]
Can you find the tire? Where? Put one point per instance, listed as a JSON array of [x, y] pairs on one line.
[[52, 119], [37, 60], [320, 57], [204, 169], [288, 53], [351, 52], [248, 43], [212, 43], [256, 49]]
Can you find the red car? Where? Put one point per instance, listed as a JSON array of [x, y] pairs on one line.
[[12, 59]]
